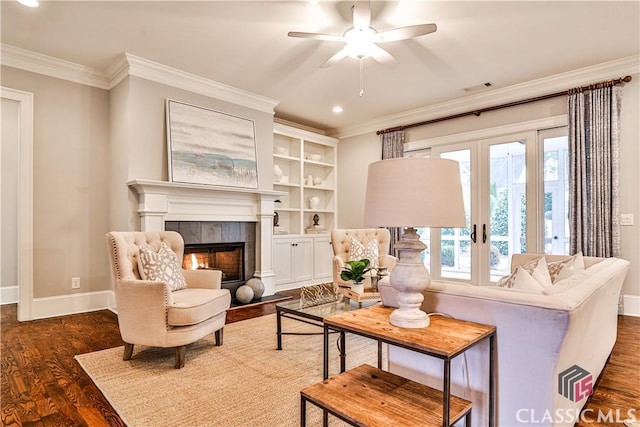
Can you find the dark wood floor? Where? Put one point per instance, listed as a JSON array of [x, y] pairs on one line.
[[43, 385]]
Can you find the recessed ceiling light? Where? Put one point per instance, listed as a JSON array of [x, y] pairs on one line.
[[29, 3], [337, 109]]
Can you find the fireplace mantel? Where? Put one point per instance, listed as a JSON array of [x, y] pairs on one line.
[[161, 201]]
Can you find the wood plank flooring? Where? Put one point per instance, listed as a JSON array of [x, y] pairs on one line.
[[43, 385]]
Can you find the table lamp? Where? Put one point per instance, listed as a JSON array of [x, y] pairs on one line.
[[413, 192]]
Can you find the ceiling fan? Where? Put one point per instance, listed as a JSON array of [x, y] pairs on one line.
[[361, 39]]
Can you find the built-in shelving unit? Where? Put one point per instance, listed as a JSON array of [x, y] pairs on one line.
[[307, 163], [305, 168]]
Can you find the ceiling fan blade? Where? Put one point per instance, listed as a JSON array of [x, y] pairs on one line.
[[361, 15], [404, 33], [316, 36], [335, 58], [381, 55]]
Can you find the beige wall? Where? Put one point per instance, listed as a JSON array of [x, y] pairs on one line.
[[143, 127], [70, 164], [356, 153], [88, 143]]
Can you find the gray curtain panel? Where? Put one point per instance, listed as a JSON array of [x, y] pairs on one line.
[[393, 147], [594, 141]]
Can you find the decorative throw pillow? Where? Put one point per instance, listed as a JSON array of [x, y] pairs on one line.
[[358, 251], [566, 268], [537, 269], [161, 266], [526, 282]]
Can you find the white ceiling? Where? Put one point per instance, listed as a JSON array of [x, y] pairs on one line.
[[244, 44]]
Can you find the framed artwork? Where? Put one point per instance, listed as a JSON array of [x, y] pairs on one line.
[[209, 147]]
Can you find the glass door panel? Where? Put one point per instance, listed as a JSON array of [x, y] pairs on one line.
[[556, 192], [449, 250], [507, 205], [455, 243]]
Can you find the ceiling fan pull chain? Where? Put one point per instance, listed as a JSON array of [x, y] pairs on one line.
[[361, 76]]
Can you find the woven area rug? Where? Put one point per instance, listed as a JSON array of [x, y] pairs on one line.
[[245, 382]]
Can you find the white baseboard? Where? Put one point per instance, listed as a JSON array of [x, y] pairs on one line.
[[72, 303], [8, 295], [631, 305]]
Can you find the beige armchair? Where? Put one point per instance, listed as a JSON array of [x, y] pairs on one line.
[[149, 312], [341, 241]]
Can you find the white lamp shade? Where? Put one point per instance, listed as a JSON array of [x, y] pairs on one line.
[[414, 192]]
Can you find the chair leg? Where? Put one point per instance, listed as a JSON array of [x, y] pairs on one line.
[[218, 335], [180, 356], [128, 351]]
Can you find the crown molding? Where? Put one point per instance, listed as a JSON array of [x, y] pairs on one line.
[[53, 67], [173, 77], [278, 120], [131, 65], [555, 83]]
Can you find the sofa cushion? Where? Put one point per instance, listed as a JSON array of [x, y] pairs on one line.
[[358, 251], [194, 305], [161, 266]]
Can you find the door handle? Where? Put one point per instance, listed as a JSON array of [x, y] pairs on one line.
[[473, 234], [484, 233]]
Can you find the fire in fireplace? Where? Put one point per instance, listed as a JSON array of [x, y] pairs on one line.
[[227, 257]]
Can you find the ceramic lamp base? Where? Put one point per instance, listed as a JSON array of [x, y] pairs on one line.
[[409, 278]]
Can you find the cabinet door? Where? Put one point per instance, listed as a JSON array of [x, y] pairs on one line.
[[283, 260], [303, 259], [322, 258]]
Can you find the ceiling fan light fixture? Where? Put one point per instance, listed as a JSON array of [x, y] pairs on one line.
[[359, 42]]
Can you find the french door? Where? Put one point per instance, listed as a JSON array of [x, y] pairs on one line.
[[502, 181]]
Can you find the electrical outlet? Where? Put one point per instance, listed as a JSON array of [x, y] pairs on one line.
[[75, 283]]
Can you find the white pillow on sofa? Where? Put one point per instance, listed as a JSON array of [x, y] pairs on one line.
[[525, 282], [537, 270]]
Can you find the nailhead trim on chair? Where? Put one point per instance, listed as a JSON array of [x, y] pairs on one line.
[[113, 255]]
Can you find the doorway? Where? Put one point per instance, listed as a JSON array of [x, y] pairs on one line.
[[16, 195]]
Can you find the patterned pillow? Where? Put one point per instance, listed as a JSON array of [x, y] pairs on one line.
[[161, 266], [358, 251], [566, 268], [537, 269]]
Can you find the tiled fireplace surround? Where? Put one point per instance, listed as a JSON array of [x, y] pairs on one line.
[[200, 232], [202, 211]]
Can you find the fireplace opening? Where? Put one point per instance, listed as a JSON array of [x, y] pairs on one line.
[[226, 257]]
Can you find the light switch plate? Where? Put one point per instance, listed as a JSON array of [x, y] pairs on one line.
[[626, 219]]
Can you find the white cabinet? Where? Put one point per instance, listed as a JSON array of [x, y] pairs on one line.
[[293, 259], [305, 167], [302, 260], [322, 258]]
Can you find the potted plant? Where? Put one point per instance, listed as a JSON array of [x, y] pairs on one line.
[[354, 271]]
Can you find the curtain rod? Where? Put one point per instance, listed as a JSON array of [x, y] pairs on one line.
[[476, 113]]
